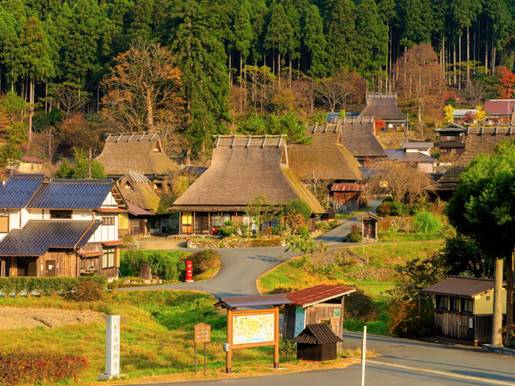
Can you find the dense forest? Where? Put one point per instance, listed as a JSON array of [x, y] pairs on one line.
[[216, 66]]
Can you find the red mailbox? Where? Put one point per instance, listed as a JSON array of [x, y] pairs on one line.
[[189, 271]]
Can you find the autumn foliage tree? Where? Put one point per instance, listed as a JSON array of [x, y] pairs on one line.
[[507, 82], [340, 90], [420, 80], [143, 90]]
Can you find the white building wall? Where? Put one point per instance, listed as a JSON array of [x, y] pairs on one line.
[[14, 219], [105, 232]]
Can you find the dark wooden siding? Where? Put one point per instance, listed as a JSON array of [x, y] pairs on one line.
[[66, 263], [331, 314], [454, 325]]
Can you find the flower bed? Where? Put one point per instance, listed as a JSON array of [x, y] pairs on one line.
[[234, 242]]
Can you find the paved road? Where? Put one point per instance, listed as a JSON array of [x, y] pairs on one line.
[[336, 236], [402, 363], [241, 267]]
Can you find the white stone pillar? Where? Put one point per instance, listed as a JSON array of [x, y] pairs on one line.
[[112, 348]]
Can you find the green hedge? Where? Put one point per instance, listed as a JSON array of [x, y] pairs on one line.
[[167, 265], [43, 285]]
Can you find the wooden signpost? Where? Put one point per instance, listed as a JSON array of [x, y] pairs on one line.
[[201, 334], [251, 328]]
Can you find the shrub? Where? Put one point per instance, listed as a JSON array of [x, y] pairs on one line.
[[165, 264], [360, 306], [427, 222], [87, 290], [385, 209], [44, 285], [297, 207], [227, 230], [205, 260], [399, 209], [355, 234], [29, 369]]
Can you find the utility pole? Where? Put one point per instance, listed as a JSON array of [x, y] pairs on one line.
[[497, 318], [363, 355]]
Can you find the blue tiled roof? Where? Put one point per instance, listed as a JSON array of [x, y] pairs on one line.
[[17, 191], [37, 237], [71, 194]]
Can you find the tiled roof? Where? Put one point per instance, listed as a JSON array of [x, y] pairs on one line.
[[71, 194], [317, 334], [37, 237], [318, 294], [17, 191], [500, 107], [253, 301], [402, 156], [417, 145], [460, 286]]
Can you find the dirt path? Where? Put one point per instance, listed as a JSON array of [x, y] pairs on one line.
[[14, 317]]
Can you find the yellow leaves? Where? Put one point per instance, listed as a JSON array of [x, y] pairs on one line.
[[449, 113]]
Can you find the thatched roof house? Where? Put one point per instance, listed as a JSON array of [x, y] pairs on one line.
[[325, 158], [243, 167], [137, 190], [478, 141], [135, 152], [358, 135], [384, 107]]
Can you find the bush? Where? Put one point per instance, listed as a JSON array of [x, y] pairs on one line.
[[355, 234], [87, 290], [29, 369], [166, 265], [385, 209], [44, 285], [204, 261], [360, 306], [294, 207], [399, 209], [427, 222]]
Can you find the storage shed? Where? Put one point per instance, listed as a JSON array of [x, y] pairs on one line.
[[369, 226], [317, 342], [463, 308]]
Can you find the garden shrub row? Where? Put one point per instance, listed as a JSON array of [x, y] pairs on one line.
[[37, 368], [46, 285], [167, 265]]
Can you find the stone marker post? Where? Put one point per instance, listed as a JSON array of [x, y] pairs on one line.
[[112, 348]]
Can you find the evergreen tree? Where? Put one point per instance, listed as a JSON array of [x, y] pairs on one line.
[[372, 39], [9, 44], [279, 35], [141, 19], [200, 54], [243, 32], [314, 42], [258, 12], [341, 34], [414, 21]]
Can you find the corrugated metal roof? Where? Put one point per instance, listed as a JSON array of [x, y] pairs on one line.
[[318, 294], [17, 191], [501, 107], [342, 187], [37, 237], [72, 194], [460, 286], [253, 301], [317, 334]]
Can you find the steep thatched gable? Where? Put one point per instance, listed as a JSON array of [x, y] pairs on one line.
[[383, 106], [137, 189], [135, 152], [358, 136], [243, 168]]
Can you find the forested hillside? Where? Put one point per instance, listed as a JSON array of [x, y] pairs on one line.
[[194, 68]]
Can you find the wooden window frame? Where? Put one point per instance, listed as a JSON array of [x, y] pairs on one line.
[[108, 220], [108, 257], [4, 218], [60, 214], [465, 309]]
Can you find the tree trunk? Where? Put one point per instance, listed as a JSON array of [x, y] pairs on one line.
[[290, 73], [90, 160], [46, 97], [468, 54], [279, 69], [50, 145], [509, 297], [459, 61], [230, 70], [454, 80], [486, 56], [497, 317], [493, 58], [150, 110], [32, 89], [241, 82]]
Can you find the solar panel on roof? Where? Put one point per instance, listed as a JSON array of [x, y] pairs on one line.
[[16, 192]]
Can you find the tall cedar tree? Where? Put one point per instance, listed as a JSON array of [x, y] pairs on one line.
[[483, 208], [314, 42], [414, 22], [279, 36], [201, 57], [341, 34]]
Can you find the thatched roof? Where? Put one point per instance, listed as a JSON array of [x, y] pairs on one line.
[[137, 190], [358, 136], [137, 152], [478, 141], [325, 158], [383, 106], [242, 168]]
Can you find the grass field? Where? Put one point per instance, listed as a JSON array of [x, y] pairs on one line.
[[369, 270], [156, 335]]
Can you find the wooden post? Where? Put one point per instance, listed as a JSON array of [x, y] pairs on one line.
[[497, 317], [204, 359], [228, 353], [363, 355], [276, 338]]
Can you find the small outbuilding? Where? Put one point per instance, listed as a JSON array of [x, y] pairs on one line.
[[317, 342], [369, 226]]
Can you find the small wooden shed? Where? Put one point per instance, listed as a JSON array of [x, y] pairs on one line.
[[369, 226], [317, 342]]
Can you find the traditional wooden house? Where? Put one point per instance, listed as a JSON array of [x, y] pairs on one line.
[[358, 136], [385, 108], [317, 342], [58, 227], [500, 111], [243, 167], [324, 162], [141, 218], [463, 308], [451, 139], [464, 116], [30, 164], [345, 197], [421, 161], [142, 153], [478, 141]]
